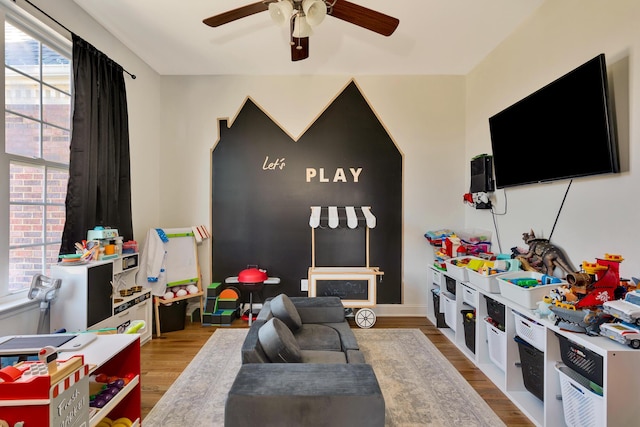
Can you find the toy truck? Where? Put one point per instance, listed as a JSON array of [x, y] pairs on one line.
[[627, 310], [622, 333]]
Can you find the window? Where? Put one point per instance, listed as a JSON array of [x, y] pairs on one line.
[[37, 135]]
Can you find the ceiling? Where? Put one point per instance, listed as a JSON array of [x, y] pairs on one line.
[[434, 37]]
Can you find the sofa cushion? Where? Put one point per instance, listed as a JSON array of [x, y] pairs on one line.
[[252, 351], [319, 309], [305, 394], [283, 309], [313, 336], [278, 342], [321, 356]]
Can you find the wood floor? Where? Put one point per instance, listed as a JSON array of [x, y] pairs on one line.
[[163, 359]]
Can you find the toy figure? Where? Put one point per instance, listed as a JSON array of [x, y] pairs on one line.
[[543, 309], [543, 257]]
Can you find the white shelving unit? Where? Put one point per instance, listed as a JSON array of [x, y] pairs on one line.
[[115, 355], [89, 297], [620, 382]]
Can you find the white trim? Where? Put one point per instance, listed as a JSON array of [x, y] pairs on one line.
[[14, 304], [37, 28], [400, 310]]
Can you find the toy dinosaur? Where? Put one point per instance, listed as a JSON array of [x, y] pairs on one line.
[[543, 256]]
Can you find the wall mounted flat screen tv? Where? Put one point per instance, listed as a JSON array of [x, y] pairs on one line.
[[563, 130]]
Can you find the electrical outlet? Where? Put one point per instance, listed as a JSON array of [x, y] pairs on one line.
[[304, 284]]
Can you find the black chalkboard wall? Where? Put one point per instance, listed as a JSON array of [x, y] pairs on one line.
[[264, 184]]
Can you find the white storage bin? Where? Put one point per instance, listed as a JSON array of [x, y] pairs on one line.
[[529, 330], [457, 267], [582, 407], [526, 297], [497, 342], [469, 295], [486, 283], [449, 310], [474, 236], [436, 276]]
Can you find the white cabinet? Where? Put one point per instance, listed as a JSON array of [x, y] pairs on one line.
[[619, 363], [90, 297]]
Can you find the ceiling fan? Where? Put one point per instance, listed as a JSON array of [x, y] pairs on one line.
[[301, 15]]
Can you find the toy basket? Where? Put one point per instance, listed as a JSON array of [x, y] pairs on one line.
[[532, 364], [440, 323], [582, 407], [529, 330], [449, 310], [450, 284], [581, 359], [487, 283], [526, 297], [497, 342], [495, 310], [469, 295], [469, 329], [457, 268], [475, 241]]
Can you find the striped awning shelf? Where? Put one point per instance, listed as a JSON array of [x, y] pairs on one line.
[[340, 216]]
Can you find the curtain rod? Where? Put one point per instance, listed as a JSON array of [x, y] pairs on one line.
[[133, 76]]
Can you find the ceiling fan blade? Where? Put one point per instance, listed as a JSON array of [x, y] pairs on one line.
[[299, 48], [235, 14], [364, 17]]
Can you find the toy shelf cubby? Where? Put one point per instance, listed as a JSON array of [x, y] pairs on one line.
[[619, 363]]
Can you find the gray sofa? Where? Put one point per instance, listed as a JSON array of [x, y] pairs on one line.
[[301, 366]]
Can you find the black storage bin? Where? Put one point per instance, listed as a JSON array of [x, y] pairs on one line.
[[582, 360], [440, 323], [172, 317], [469, 329], [495, 310], [451, 284], [532, 364]]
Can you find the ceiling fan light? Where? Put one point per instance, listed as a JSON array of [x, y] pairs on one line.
[[280, 12], [315, 11], [301, 27]]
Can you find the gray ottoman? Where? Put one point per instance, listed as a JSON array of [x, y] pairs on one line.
[[304, 394]]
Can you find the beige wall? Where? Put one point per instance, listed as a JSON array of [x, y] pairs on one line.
[[600, 213]]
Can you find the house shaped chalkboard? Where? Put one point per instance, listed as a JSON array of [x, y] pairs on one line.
[[264, 182]]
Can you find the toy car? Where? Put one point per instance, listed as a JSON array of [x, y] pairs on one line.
[[624, 309], [622, 333]]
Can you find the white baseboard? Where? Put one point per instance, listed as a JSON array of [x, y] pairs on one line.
[[400, 310]]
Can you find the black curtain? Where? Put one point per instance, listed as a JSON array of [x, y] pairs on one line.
[[99, 189]]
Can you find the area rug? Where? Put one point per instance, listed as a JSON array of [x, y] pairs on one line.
[[420, 387]]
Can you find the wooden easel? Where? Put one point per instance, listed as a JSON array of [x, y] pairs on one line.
[[182, 268]]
